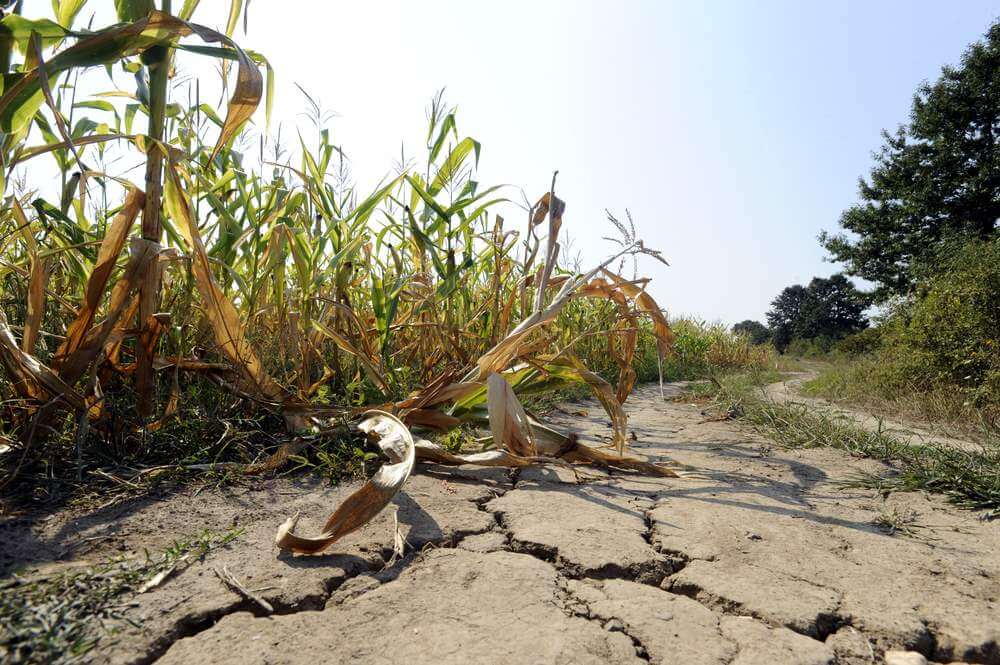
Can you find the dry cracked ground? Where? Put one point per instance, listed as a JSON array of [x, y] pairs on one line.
[[766, 559]]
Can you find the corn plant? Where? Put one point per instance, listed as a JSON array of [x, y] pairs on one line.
[[270, 275]]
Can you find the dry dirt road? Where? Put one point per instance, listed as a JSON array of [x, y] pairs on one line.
[[764, 560], [911, 432]]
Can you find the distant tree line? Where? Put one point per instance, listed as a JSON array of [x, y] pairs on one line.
[[826, 309]]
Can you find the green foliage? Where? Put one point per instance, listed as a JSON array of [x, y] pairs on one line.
[[948, 334], [860, 343], [755, 330], [935, 179], [826, 309], [703, 349], [817, 347], [935, 355], [952, 327]]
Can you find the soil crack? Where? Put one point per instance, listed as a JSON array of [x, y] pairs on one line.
[[572, 605]]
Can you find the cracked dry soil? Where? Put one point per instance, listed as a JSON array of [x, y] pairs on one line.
[[764, 560]]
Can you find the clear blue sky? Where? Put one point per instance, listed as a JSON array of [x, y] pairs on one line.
[[734, 131]]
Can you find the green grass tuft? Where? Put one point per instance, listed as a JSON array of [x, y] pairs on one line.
[[968, 478], [60, 618]]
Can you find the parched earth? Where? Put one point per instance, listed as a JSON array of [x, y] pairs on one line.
[[765, 559]]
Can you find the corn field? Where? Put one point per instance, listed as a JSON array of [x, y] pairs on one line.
[[271, 278]]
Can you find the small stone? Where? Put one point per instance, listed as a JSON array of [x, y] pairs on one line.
[[904, 658]]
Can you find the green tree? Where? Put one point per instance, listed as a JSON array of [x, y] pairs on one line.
[[755, 330], [828, 308], [935, 180]]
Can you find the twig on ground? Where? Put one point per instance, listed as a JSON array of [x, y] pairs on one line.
[[230, 581]]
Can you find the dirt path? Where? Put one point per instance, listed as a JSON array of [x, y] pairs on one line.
[[916, 433], [766, 560]]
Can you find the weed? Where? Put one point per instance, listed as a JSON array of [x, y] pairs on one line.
[[969, 478], [60, 618], [893, 520]]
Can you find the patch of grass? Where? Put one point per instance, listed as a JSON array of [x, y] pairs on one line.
[[968, 478], [60, 618], [881, 387]]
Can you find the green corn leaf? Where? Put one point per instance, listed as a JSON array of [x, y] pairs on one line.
[[133, 10], [66, 11], [188, 9]]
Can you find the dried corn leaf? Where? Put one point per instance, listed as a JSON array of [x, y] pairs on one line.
[[29, 374], [173, 402], [587, 455], [432, 452], [438, 391], [36, 303], [397, 443], [645, 303], [554, 207], [430, 418], [498, 357], [575, 369], [567, 447], [141, 252], [220, 312], [508, 421], [369, 366], [97, 283]]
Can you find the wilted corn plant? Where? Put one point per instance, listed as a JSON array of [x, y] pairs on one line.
[[284, 286]]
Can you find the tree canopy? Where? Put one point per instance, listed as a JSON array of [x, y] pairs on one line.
[[828, 307], [935, 180], [755, 330]]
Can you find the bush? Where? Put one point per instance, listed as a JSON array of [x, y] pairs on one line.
[[950, 331], [860, 343], [817, 347], [935, 355]]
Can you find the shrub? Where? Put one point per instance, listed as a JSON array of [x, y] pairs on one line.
[[815, 347], [950, 331], [755, 330], [861, 343], [935, 355]]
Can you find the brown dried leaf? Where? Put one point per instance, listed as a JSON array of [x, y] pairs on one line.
[[397, 443], [430, 418], [107, 257], [567, 447], [36, 303], [220, 312], [141, 252], [603, 392], [29, 374], [368, 364], [508, 421], [645, 303], [431, 452]]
